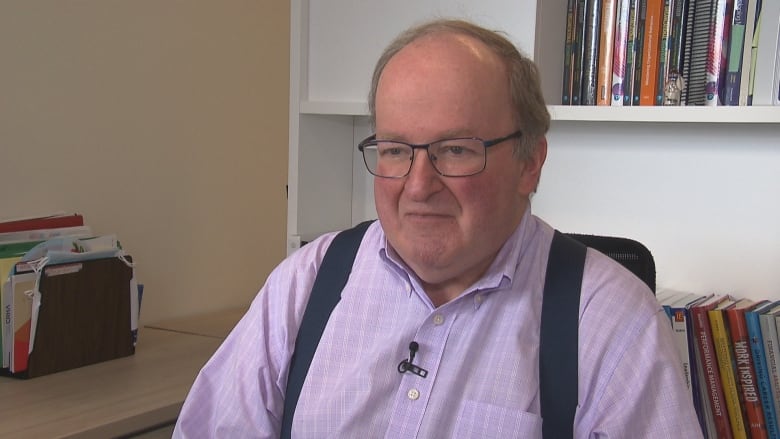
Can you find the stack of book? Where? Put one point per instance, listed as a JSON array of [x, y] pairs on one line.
[[730, 354], [60, 287], [672, 52]]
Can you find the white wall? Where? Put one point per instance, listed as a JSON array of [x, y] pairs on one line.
[[163, 121], [702, 197]]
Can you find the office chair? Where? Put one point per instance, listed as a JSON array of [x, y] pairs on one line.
[[631, 254]]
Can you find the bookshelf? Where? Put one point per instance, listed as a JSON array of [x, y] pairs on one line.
[[692, 183]]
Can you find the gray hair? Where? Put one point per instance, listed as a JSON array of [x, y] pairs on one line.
[[531, 113]]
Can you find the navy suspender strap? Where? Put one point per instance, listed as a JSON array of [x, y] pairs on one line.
[[560, 318], [325, 294], [559, 336]]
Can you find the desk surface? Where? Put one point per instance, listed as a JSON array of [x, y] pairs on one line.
[[114, 397]]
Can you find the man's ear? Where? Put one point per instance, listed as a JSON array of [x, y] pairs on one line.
[[532, 171]]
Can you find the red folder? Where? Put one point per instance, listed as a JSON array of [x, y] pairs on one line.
[[46, 222]]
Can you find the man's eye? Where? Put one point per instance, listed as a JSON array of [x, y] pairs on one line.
[[453, 149]]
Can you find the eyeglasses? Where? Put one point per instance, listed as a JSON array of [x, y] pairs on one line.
[[459, 157]]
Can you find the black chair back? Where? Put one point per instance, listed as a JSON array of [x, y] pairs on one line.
[[629, 253]]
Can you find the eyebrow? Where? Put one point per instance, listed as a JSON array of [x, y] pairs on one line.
[[452, 134]]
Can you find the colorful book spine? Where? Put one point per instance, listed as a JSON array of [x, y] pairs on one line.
[[50, 222], [619, 52], [735, 52], [721, 342], [677, 35], [772, 354], [716, 57], [709, 364], [631, 42], [568, 52], [641, 40], [744, 370], [762, 374], [606, 52], [696, 71], [664, 47], [747, 51], [590, 52], [650, 52]]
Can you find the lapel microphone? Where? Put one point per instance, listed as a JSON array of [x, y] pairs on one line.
[[408, 365]]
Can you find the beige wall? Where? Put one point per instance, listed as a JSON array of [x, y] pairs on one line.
[[162, 121]]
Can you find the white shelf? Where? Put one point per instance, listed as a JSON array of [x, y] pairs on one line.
[[763, 114], [736, 115]]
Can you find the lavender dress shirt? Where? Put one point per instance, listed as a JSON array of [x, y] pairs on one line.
[[481, 352]]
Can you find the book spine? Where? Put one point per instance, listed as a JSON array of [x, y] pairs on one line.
[[631, 41], [568, 52], [762, 374], [720, 338], [735, 53], [680, 328], [765, 91], [709, 364], [697, 72], [747, 50], [680, 9], [664, 47], [590, 54], [772, 355], [579, 52], [619, 52], [745, 374], [42, 223], [606, 52], [715, 53], [650, 52], [640, 42]]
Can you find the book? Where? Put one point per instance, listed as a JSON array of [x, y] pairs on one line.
[[579, 52], [722, 343], [754, 52], [695, 63], [716, 60], [568, 52], [606, 51], [639, 44], [680, 310], [590, 52], [631, 51], [772, 351], [759, 362], [619, 52], [709, 364], [747, 51], [650, 52], [45, 222], [677, 36], [767, 78], [744, 368], [736, 52], [664, 51]]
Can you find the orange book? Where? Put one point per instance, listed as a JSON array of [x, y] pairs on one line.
[[650, 52], [606, 48]]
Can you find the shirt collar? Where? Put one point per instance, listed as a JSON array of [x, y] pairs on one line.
[[501, 272]]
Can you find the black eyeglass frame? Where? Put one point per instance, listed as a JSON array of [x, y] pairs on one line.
[[486, 143]]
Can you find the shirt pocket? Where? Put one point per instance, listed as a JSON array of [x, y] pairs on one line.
[[482, 420]]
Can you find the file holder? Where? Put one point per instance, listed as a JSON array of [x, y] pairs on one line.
[[84, 316]]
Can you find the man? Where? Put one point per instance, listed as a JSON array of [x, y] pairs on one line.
[[455, 264]]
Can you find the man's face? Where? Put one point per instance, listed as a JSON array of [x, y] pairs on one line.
[[449, 229]]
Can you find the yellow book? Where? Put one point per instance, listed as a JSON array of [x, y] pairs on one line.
[[723, 353]]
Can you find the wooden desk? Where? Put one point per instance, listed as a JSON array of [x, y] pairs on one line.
[[115, 397]]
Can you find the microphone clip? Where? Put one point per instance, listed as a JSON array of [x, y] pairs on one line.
[[408, 365]]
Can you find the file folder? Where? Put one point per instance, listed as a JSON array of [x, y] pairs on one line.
[[84, 316]]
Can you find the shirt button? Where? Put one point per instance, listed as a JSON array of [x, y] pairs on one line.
[[479, 299], [438, 319], [413, 394]]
